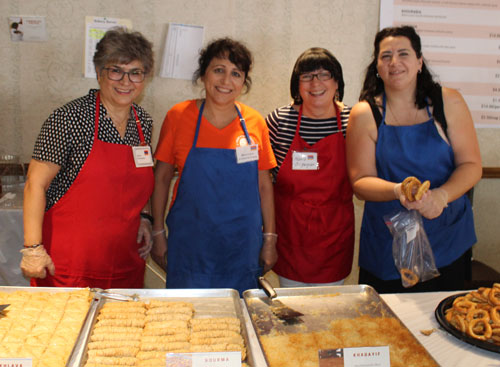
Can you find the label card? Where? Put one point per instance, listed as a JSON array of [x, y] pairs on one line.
[[247, 153], [16, 362], [355, 357], [143, 156], [213, 359], [305, 161]]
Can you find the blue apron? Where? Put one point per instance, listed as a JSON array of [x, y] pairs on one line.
[[215, 223], [415, 150]]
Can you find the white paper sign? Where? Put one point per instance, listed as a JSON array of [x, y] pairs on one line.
[[27, 29], [16, 362], [214, 359], [461, 45], [355, 357], [181, 51], [95, 28]]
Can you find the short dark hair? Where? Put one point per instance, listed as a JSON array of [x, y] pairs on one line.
[[234, 51], [374, 86], [313, 59], [122, 46]]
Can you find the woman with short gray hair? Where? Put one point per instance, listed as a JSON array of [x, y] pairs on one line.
[[86, 209]]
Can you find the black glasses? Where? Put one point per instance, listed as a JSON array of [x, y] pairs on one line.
[[322, 75], [117, 74]]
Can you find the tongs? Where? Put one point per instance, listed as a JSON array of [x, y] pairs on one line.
[[116, 296], [277, 307]]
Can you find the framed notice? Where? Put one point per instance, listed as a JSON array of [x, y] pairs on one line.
[[95, 28], [461, 45]]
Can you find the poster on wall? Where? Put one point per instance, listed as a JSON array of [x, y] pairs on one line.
[[461, 45], [180, 54], [27, 29], [95, 28]]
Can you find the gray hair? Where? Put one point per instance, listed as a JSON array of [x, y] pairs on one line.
[[122, 46]]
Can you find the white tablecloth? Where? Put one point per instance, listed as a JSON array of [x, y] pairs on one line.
[[416, 311], [11, 241]]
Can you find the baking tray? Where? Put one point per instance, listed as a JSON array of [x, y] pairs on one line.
[[207, 303], [11, 289], [319, 306], [441, 319]]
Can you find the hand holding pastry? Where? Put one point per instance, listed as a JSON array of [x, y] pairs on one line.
[[411, 191]]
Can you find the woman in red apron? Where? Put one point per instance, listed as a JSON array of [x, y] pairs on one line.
[[313, 196], [92, 174]]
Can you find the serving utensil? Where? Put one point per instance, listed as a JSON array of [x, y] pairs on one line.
[[278, 308], [3, 307]]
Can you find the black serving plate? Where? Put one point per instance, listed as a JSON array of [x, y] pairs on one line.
[[440, 317]]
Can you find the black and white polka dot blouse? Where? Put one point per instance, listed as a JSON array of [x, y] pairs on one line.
[[67, 135]]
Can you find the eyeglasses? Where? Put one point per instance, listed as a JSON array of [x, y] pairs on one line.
[[134, 75], [322, 76]]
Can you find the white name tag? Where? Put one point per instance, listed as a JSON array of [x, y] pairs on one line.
[[305, 161], [247, 153], [143, 156], [355, 357], [214, 359]]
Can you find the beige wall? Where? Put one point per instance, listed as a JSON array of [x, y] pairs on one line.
[[39, 77]]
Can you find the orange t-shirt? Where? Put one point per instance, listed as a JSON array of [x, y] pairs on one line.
[[179, 126]]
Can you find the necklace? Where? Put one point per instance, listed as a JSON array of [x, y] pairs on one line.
[[396, 119]]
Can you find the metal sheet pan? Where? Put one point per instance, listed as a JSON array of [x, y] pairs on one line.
[[207, 303], [319, 306]]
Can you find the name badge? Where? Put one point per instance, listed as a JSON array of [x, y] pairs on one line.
[[247, 153], [305, 161], [143, 156]]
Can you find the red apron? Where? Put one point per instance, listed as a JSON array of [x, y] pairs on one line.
[[315, 213], [91, 232]]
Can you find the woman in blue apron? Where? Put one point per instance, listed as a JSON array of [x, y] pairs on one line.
[[221, 230], [408, 125]]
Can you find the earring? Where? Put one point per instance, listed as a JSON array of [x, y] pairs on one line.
[[377, 75], [336, 98], [420, 71]]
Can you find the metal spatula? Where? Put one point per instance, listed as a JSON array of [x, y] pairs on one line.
[[278, 308]]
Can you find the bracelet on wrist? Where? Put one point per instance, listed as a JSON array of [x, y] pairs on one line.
[[269, 234], [156, 233], [147, 216], [33, 246]]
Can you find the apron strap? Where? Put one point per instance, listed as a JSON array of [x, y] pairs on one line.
[[243, 125], [139, 129], [384, 101], [97, 108]]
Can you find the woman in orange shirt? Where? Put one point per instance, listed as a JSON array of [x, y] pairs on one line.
[[221, 227]]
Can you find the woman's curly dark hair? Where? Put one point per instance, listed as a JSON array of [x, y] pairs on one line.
[[373, 86], [234, 51]]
